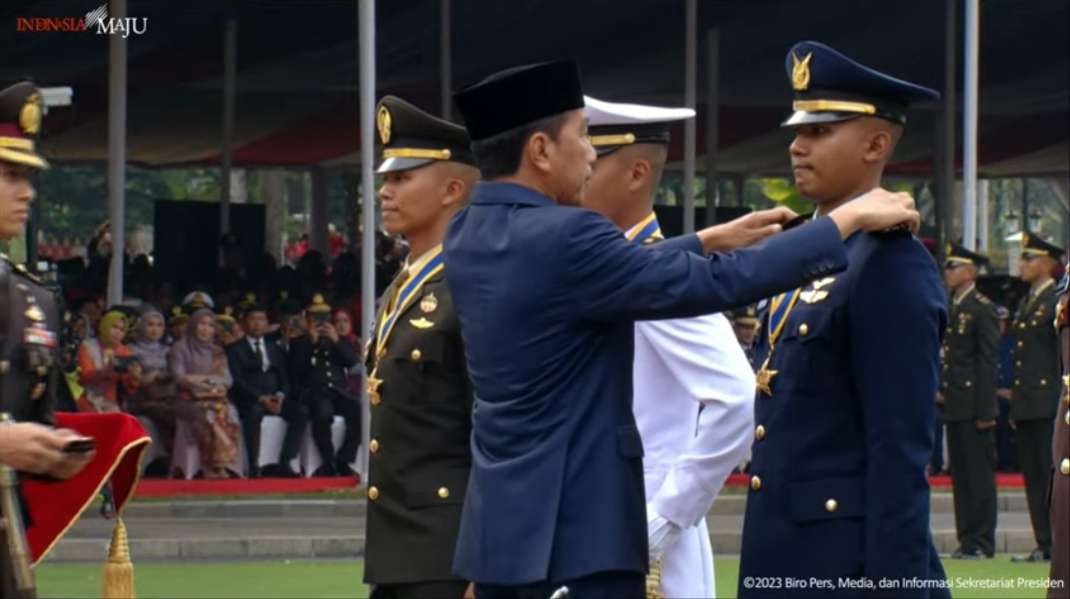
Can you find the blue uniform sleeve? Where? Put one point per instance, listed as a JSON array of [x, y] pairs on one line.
[[613, 279], [897, 314]]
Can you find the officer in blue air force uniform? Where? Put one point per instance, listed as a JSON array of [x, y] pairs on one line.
[[547, 294], [845, 404]]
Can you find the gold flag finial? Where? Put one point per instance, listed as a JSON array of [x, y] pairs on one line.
[[800, 72]]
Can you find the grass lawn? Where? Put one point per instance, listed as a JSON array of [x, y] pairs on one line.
[[340, 578]]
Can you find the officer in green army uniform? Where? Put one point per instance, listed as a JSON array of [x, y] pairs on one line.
[[30, 377], [1035, 394], [418, 387], [968, 394]]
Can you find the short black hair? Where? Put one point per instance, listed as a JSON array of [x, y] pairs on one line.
[[499, 155], [254, 309]]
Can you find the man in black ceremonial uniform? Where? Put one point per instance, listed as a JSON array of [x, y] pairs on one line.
[[30, 376], [968, 393], [418, 386], [319, 360], [1035, 395]]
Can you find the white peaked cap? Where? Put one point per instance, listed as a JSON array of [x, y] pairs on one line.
[[601, 112]]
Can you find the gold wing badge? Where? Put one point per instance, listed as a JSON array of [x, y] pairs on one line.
[[421, 323], [817, 294]]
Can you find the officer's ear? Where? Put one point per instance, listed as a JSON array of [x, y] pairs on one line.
[[537, 151], [881, 141], [459, 182], [639, 173]]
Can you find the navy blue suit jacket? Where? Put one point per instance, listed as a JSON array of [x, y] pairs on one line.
[[547, 296], [838, 483]]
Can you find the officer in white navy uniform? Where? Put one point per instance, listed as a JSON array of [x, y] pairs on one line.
[[693, 386]]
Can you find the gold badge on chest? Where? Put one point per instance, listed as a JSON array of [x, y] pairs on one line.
[[34, 313], [429, 303], [421, 323], [817, 293], [964, 320]]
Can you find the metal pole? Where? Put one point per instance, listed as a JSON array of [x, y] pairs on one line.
[[116, 153], [945, 167], [969, 126], [982, 216], [690, 75], [317, 222], [446, 58], [713, 123], [1026, 225], [367, 153], [230, 66]]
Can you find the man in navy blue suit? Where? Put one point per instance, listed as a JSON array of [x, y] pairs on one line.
[[547, 295], [843, 419]]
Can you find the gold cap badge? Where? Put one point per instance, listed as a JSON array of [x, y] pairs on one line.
[[800, 72], [383, 122], [30, 115]]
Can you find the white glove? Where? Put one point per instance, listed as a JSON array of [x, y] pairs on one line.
[[661, 533]]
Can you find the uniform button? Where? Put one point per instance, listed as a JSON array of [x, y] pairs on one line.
[[373, 446], [969, 383], [755, 483], [1017, 382], [1064, 467], [416, 355], [1021, 326], [831, 505], [1066, 417], [1043, 382], [1018, 363], [443, 492], [803, 329], [1021, 344], [759, 432], [373, 493]]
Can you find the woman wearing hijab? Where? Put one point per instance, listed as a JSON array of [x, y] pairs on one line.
[[105, 365], [343, 322], [199, 367], [155, 399]]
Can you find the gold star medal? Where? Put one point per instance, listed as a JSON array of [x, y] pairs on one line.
[[764, 379]]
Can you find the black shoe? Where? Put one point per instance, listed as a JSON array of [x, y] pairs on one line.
[[281, 470], [254, 472], [325, 469], [968, 554], [345, 469], [1036, 555]]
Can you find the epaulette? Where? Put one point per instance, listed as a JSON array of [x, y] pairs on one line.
[[982, 298], [21, 270], [1064, 283]]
